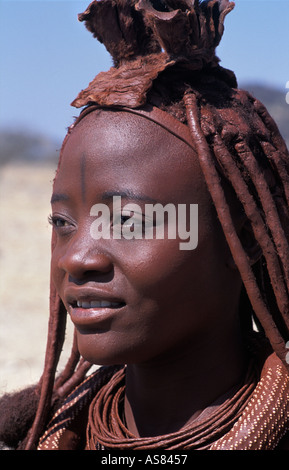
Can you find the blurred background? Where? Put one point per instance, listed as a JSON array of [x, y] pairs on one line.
[[46, 58]]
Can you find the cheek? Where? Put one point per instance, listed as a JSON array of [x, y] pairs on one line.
[[173, 280], [158, 269]]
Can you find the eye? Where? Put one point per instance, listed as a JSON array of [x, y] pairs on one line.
[[60, 223], [123, 220], [128, 223], [130, 220]]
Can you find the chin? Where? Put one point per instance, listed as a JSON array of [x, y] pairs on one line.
[[95, 352]]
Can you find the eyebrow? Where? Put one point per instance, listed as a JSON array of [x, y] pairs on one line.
[[127, 194], [58, 198]]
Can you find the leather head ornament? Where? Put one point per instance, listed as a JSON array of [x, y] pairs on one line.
[[147, 37]]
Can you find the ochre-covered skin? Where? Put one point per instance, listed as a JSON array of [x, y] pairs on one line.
[[162, 289]]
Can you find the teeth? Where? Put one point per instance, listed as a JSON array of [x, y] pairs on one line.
[[97, 304]]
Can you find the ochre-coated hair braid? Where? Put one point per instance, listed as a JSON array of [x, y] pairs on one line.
[[212, 178]]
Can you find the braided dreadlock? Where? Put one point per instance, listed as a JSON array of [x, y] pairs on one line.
[[164, 55]]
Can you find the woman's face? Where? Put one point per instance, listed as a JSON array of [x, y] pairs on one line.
[[135, 300]]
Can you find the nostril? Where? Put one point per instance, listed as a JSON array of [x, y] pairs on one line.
[[82, 278], [84, 266]]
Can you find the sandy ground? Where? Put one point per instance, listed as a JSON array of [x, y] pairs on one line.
[[25, 191]]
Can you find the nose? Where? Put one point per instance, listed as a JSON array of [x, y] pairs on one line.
[[83, 260]]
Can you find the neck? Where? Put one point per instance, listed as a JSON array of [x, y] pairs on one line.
[[166, 394]]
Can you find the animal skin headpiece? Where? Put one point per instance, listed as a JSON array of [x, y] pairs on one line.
[[146, 38]]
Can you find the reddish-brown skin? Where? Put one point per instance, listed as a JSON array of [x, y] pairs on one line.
[[178, 330]]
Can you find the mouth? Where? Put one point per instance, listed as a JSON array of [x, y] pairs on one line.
[[92, 311], [87, 304]]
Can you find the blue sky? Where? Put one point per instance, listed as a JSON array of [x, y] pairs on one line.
[[47, 57]]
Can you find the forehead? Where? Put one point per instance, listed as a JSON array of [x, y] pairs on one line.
[[120, 132], [120, 148]]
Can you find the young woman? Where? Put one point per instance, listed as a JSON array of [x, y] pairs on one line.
[[191, 337]]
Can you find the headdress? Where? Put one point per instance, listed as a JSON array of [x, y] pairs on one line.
[[145, 39]]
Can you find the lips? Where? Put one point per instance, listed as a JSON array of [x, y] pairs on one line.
[[92, 309], [97, 304]]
